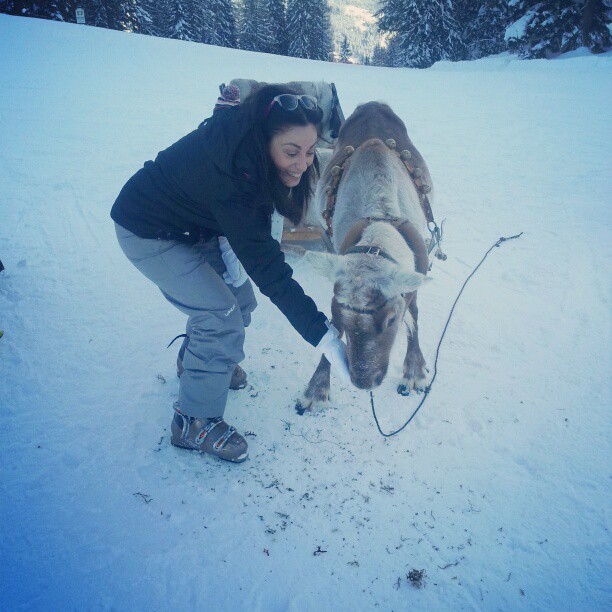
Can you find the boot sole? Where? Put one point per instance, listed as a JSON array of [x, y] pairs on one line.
[[239, 459]]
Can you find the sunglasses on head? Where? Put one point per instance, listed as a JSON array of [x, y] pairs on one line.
[[289, 102]]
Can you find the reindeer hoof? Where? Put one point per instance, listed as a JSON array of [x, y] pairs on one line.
[[312, 405], [301, 408], [412, 383], [304, 404], [403, 390]]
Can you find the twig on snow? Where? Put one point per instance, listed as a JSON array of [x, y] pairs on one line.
[[449, 565], [144, 496]]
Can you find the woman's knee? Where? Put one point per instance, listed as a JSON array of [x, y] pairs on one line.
[[217, 336]]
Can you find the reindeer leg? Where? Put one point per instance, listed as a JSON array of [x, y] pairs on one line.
[[415, 372], [317, 389]]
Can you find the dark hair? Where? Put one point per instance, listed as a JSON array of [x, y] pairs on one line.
[[291, 204]]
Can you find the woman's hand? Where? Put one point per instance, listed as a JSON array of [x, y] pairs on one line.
[[235, 273], [334, 350]]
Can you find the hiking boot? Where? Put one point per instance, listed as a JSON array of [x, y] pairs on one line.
[[239, 377], [212, 436]]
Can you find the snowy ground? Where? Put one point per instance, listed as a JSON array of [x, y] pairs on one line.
[[499, 490]]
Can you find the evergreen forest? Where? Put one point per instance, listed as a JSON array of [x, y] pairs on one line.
[[410, 33]]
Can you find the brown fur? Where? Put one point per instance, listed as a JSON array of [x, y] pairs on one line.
[[375, 120]]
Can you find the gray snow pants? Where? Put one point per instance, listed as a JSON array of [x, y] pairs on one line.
[[190, 278]]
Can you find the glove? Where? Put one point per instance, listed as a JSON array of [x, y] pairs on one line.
[[334, 350], [234, 274]]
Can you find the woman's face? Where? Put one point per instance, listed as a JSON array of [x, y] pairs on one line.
[[292, 151]]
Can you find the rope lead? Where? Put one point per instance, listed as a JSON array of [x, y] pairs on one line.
[[428, 388]]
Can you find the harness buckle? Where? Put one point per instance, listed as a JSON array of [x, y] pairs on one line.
[[436, 239]]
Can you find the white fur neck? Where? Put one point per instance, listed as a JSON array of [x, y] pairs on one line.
[[385, 236]]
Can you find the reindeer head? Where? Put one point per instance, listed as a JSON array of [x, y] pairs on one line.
[[370, 299]]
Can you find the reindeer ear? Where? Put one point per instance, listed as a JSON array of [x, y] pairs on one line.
[[323, 263], [403, 281], [411, 281]]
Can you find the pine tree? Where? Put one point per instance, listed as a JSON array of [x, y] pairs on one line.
[[129, 16], [298, 28], [9, 7], [466, 13], [112, 14], [256, 31], [153, 17], [321, 38], [394, 53], [145, 15], [182, 20], [594, 25], [556, 26], [345, 50], [482, 26], [58, 10], [423, 31], [275, 10], [309, 29], [490, 28], [379, 56], [219, 24], [99, 13]]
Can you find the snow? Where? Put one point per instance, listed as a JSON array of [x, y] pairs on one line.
[[362, 18], [499, 489], [517, 29]]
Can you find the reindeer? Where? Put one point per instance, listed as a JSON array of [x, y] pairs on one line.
[[374, 200]]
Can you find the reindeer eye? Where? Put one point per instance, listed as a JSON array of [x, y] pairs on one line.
[[391, 322]]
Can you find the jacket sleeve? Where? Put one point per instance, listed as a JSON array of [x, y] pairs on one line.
[[248, 231]]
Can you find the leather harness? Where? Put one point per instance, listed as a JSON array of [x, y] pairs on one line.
[[416, 175], [409, 233]]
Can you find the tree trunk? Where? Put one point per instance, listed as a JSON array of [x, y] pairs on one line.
[[586, 21]]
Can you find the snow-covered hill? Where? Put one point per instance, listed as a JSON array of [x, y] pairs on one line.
[[499, 490], [355, 20]]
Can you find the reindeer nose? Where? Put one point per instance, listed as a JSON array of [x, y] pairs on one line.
[[366, 378]]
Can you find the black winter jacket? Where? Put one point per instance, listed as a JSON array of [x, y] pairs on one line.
[[207, 184]]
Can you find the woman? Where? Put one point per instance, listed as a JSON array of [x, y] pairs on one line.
[[199, 216]]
